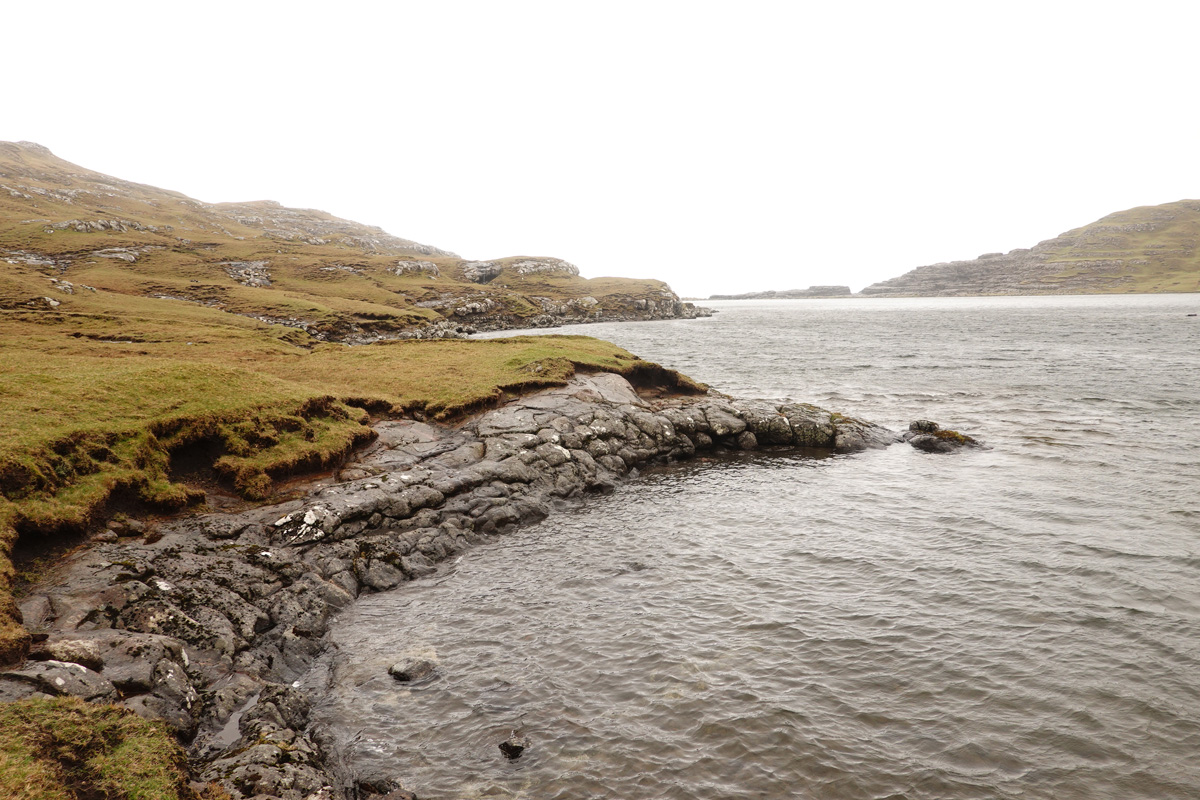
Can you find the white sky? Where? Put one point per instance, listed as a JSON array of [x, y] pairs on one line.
[[722, 147]]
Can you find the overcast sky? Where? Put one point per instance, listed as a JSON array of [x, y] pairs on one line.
[[722, 147]]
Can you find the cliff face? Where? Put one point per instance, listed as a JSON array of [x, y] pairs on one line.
[[1145, 249], [67, 233]]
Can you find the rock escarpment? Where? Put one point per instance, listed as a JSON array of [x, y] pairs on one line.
[[204, 622], [1146, 249]]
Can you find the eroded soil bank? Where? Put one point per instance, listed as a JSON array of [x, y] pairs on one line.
[[205, 622]]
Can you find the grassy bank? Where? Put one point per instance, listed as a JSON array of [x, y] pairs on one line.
[[149, 340], [65, 749], [97, 404]]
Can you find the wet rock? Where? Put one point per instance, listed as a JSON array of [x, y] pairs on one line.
[[272, 756], [224, 527], [943, 441], [723, 422], [811, 426], [516, 744], [250, 595], [381, 576], [371, 787], [930, 437], [399, 794], [412, 669], [852, 435], [417, 565]]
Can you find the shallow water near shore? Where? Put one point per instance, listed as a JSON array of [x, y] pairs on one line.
[[1013, 622]]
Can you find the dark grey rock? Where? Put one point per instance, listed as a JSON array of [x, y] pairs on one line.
[[65, 678], [409, 670], [247, 597], [723, 422], [515, 745], [942, 441]]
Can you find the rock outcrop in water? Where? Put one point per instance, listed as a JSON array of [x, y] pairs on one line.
[[192, 621], [931, 438]]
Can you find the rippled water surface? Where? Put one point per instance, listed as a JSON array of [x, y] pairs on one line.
[[1020, 622]]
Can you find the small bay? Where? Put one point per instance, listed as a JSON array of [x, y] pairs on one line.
[[1011, 622]]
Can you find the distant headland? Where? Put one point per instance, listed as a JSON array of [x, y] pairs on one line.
[[1143, 250], [1148, 249], [788, 294]]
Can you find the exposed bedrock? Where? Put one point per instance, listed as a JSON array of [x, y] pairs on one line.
[[192, 622]]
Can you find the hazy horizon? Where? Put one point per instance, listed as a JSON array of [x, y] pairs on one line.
[[775, 147]]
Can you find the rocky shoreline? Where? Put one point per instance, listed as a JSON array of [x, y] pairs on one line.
[[486, 316], [205, 622]]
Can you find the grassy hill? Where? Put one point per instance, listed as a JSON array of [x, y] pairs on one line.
[[137, 323], [63, 226], [1144, 249]]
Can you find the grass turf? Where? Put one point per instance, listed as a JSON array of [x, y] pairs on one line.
[[65, 749]]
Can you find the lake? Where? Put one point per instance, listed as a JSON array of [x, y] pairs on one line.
[[1015, 622]]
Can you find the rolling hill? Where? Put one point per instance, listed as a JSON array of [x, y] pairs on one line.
[[1140, 250], [70, 236], [147, 338]]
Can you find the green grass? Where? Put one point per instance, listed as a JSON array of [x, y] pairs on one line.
[[102, 389], [191, 240], [1162, 238], [65, 749], [96, 404]]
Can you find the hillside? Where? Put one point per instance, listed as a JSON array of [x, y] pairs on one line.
[[161, 353], [67, 233], [1141, 250]]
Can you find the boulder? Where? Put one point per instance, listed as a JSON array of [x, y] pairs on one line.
[[516, 744], [411, 669], [941, 441], [65, 678]]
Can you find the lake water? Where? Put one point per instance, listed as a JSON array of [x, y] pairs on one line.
[[1018, 622]]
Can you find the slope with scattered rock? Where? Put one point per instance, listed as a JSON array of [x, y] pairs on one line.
[[147, 335], [1140, 250], [69, 235]]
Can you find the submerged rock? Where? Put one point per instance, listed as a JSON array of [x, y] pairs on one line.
[[412, 669], [516, 744]]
